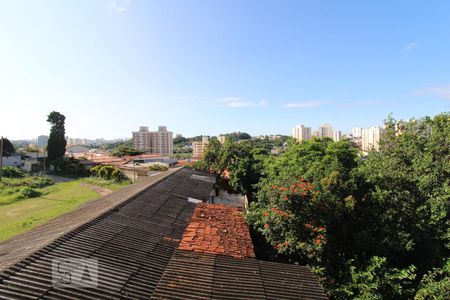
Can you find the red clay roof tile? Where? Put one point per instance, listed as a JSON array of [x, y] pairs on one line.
[[218, 229]]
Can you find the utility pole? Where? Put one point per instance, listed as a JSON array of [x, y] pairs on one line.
[[45, 167], [1, 158]]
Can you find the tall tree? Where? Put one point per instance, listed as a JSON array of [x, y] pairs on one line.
[[56, 142], [8, 147]]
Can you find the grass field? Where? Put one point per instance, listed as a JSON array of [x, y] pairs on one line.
[[20, 215]]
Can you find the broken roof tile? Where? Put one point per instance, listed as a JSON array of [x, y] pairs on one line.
[[218, 229]]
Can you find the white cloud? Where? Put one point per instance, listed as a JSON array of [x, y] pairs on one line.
[[237, 102], [440, 91], [410, 46], [361, 103], [119, 6], [304, 104]]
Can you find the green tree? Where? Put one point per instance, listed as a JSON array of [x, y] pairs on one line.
[[368, 227], [8, 147], [56, 142], [435, 284], [244, 169], [121, 151]]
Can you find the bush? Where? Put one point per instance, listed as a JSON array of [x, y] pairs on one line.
[[13, 172], [69, 166], [108, 173], [158, 167], [435, 284], [28, 192], [39, 182]]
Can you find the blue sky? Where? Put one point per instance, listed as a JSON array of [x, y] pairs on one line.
[[210, 67]]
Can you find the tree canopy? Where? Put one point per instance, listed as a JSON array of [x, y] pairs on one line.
[[121, 151], [371, 228], [56, 146], [8, 147]]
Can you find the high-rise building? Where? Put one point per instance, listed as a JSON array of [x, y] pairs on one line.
[[156, 142], [326, 131], [337, 135], [221, 138], [199, 147], [301, 133], [371, 138], [42, 141], [356, 132]]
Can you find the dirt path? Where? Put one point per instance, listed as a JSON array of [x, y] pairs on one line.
[[20, 246], [98, 189]]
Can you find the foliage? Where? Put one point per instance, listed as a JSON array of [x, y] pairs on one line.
[[121, 151], [378, 281], [31, 181], [70, 167], [237, 136], [127, 143], [158, 167], [28, 192], [214, 157], [244, 169], [108, 173], [237, 158], [13, 172], [56, 146], [435, 284], [8, 147], [384, 219], [409, 198], [179, 140]]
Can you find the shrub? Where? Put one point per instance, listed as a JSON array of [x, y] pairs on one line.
[[39, 182], [13, 172], [158, 167], [28, 192], [108, 173]]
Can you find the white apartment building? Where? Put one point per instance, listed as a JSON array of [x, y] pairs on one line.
[[221, 138], [199, 147], [42, 141], [301, 133], [357, 132], [371, 138], [326, 131], [156, 142], [337, 135]]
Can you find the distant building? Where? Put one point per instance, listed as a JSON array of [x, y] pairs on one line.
[[356, 132], [199, 147], [371, 138], [77, 149], [155, 142], [42, 141], [12, 161], [326, 131], [337, 135], [301, 133], [221, 138]]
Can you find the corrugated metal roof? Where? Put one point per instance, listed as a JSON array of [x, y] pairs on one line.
[[193, 275], [136, 247], [133, 243]]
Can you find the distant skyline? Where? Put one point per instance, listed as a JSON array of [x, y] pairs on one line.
[[211, 67]]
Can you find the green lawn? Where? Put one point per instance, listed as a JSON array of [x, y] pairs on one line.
[[109, 184], [18, 216]]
